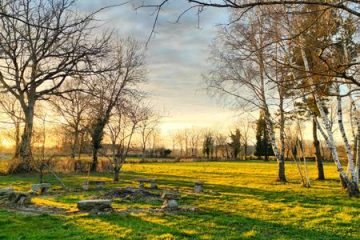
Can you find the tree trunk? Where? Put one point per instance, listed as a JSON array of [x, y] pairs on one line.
[[116, 173], [318, 156], [17, 139], [245, 151], [94, 160], [281, 174], [24, 151], [143, 153], [329, 138], [357, 165], [97, 137], [75, 144]]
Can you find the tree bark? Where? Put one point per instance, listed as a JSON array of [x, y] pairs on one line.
[[24, 151], [357, 164], [116, 173], [352, 187], [281, 173], [75, 144], [94, 160], [318, 156]]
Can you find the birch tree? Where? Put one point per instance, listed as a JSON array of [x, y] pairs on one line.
[[241, 63], [318, 50]]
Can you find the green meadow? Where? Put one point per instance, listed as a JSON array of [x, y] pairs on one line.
[[241, 200]]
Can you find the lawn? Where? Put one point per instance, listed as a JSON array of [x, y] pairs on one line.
[[242, 200]]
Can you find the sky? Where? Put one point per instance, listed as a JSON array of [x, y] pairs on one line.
[[177, 56]]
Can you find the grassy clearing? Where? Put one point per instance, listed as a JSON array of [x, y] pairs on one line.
[[241, 201]]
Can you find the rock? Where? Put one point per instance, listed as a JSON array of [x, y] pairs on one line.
[[199, 187], [20, 198], [85, 186], [6, 192], [94, 205], [170, 205], [40, 188]]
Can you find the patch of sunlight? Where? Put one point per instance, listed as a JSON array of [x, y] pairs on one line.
[[101, 227], [343, 216], [51, 203], [249, 234], [152, 219], [190, 231], [166, 236]]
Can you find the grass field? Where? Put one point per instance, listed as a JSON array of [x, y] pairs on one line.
[[241, 201]]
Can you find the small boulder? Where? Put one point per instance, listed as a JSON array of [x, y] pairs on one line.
[[170, 202], [6, 191], [40, 188], [170, 205], [199, 187], [20, 198], [4, 194], [94, 205]]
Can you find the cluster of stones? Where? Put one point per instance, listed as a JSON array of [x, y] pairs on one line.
[[104, 205], [9, 196]]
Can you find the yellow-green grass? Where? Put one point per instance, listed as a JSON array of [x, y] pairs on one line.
[[242, 200]]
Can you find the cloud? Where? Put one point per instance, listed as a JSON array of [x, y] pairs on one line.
[[177, 57]]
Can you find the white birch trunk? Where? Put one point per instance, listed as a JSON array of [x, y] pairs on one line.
[[330, 138], [357, 121], [350, 170]]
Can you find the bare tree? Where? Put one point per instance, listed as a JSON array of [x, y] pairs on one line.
[[195, 137], [127, 71], [245, 129], [43, 45], [73, 107], [147, 127], [242, 62], [13, 110], [121, 127], [221, 145]]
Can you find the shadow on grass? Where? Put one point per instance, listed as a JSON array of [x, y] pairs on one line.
[[215, 225], [283, 196]]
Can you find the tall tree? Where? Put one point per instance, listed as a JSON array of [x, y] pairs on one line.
[[263, 146], [43, 44], [321, 53], [121, 128], [243, 61], [208, 145], [127, 71], [147, 127], [12, 109], [235, 143], [73, 107]]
